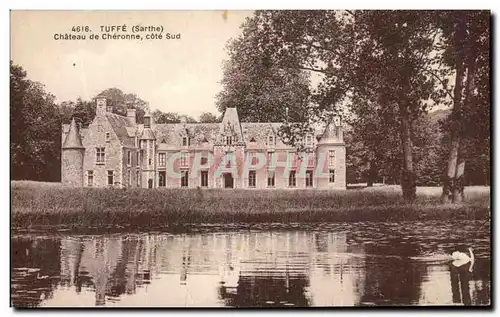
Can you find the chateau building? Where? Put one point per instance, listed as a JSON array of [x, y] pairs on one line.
[[115, 151]]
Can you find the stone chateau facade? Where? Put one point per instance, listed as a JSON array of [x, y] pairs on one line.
[[115, 151]]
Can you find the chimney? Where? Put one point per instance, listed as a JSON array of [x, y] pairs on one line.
[[131, 115], [101, 105], [147, 119]]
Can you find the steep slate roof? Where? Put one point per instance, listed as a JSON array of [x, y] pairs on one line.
[[73, 140], [169, 136], [198, 133], [121, 126]]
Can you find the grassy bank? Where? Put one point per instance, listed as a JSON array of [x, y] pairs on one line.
[[45, 204]]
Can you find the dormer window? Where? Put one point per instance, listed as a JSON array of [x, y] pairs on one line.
[[108, 136], [229, 140], [309, 140], [271, 140], [185, 141]]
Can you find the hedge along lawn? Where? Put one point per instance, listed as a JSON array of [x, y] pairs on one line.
[[36, 204]]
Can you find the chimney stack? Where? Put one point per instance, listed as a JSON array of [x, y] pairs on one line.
[[131, 115], [101, 105]]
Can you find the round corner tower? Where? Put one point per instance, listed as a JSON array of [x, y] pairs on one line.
[[72, 157]]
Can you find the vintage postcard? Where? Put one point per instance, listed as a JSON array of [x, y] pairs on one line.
[[326, 158]]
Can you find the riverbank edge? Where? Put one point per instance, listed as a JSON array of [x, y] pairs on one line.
[[119, 221], [52, 205]]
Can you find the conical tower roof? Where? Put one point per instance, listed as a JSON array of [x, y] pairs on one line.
[[73, 140], [329, 135]]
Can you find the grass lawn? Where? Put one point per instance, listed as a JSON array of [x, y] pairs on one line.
[[36, 204]]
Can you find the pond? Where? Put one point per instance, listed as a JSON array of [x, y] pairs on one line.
[[329, 264]]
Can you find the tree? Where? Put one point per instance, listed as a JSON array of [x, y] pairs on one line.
[[465, 44], [261, 91], [84, 111], [35, 129], [170, 117], [208, 117], [380, 57], [122, 101]]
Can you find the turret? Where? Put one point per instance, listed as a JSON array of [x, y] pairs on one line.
[[331, 155], [72, 157], [148, 145]]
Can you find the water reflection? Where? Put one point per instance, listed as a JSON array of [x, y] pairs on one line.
[[330, 265]]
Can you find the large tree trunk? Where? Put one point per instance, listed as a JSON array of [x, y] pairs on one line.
[[453, 187], [408, 177], [372, 173], [449, 181]]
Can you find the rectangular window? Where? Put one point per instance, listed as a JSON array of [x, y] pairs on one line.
[[90, 178], [270, 179], [252, 178], [331, 158], [162, 159], [229, 140], [184, 159], [100, 155], [150, 161], [271, 141], [185, 178], [129, 158], [129, 177], [110, 177], [138, 158], [138, 178], [309, 178], [312, 159], [309, 140], [253, 157], [204, 159], [108, 136], [204, 178], [292, 179], [270, 158], [185, 141], [162, 177], [291, 159], [332, 176]]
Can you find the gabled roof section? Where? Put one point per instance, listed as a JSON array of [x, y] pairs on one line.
[[73, 139], [231, 123], [121, 126], [147, 134]]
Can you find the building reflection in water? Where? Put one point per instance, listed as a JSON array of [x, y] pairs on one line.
[[243, 269]]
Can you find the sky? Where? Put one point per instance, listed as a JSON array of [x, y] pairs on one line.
[[180, 75]]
